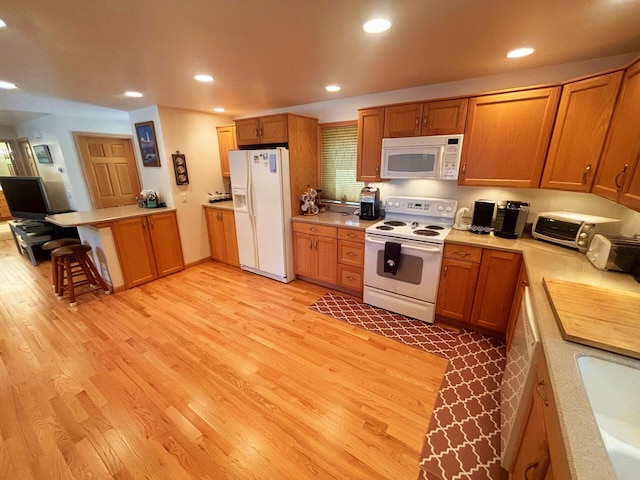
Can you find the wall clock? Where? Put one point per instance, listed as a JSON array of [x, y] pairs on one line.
[[180, 168]]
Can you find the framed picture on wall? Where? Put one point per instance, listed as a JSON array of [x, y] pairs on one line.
[[42, 153], [148, 146]]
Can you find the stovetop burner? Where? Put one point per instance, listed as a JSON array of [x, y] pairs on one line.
[[384, 227], [394, 223], [434, 227], [426, 233]]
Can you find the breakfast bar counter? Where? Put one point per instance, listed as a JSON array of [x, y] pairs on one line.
[[99, 216], [587, 456]]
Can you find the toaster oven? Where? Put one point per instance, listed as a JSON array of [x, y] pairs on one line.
[[615, 253], [574, 230]]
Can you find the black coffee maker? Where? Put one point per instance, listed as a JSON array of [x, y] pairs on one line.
[[369, 200], [482, 216]]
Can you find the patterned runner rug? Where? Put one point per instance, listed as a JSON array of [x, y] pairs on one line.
[[463, 438]]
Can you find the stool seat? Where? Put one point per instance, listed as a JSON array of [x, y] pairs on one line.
[[60, 242], [74, 265]]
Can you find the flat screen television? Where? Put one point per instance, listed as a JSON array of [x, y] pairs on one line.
[[26, 197]]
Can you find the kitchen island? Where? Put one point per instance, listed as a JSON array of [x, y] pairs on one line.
[[130, 245], [586, 453]]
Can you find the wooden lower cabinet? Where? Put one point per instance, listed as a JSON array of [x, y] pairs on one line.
[[221, 227], [477, 286], [332, 256], [542, 454], [148, 247], [5, 213], [315, 249]]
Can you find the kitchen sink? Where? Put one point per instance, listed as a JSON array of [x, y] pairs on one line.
[[613, 390]]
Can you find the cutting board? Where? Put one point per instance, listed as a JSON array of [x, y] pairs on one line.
[[595, 316]]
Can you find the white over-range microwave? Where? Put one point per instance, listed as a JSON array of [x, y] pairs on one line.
[[436, 157]]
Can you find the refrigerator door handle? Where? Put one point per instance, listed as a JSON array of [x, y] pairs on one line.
[[252, 215]]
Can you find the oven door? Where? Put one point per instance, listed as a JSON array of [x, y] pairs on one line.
[[418, 270]]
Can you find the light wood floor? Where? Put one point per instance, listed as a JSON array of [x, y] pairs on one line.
[[208, 373]]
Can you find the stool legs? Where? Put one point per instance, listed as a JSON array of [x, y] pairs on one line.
[[71, 262]]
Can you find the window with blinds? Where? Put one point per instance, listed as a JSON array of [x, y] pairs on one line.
[[339, 147]]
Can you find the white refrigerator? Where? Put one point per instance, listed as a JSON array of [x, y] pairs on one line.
[[262, 207]]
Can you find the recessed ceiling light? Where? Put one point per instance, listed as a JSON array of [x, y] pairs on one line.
[[7, 85], [333, 88], [201, 77], [218, 109], [377, 25], [520, 52], [2, 23], [133, 94]]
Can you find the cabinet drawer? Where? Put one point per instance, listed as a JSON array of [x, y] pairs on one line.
[[351, 234], [315, 229], [350, 253], [463, 252], [350, 277]]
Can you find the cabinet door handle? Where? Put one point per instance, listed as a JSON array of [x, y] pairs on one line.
[[531, 467], [351, 254], [446, 269], [417, 120], [462, 253], [311, 243], [464, 169], [349, 277], [585, 174], [617, 179], [424, 120], [351, 235], [316, 244], [539, 392], [144, 225]]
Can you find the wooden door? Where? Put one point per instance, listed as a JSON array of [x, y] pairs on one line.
[[581, 126], [230, 239], [110, 169], [135, 251], [457, 289], [216, 235], [226, 141], [370, 132], [496, 285], [402, 120], [507, 137], [326, 253], [167, 248], [618, 164], [25, 163], [247, 131], [303, 253], [445, 117], [273, 129]]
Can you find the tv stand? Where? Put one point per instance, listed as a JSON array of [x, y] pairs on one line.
[[30, 233]]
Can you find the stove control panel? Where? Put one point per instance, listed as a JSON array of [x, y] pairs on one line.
[[428, 207]]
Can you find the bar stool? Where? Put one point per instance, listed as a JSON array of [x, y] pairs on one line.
[[75, 266], [49, 247]]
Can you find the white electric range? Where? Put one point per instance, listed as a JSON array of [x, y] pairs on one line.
[[403, 254]]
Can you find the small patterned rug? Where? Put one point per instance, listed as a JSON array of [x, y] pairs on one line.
[[463, 439]]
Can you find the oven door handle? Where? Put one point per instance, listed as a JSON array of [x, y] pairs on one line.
[[409, 243]]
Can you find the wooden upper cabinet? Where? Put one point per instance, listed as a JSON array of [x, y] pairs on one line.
[[581, 126], [506, 138], [370, 133], [444, 117], [262, 130], [618, 175], [226, 141]]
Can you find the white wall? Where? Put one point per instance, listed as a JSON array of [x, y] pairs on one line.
[[193, 134], [56, 131], [541, 199]]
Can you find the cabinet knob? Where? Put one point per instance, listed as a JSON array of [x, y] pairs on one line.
[[351, 235], [617, 179], [312, 229], [585, 174]]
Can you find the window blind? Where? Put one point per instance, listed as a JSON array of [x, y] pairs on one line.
[[339, 147]]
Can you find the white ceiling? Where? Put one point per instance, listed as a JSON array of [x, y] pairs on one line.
[[268, 54]]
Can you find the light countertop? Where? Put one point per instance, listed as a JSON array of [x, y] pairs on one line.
[[92, 217], [336, 219], [226, 205], [587, 455]]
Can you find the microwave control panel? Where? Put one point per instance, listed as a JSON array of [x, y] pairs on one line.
[[451, 158]]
